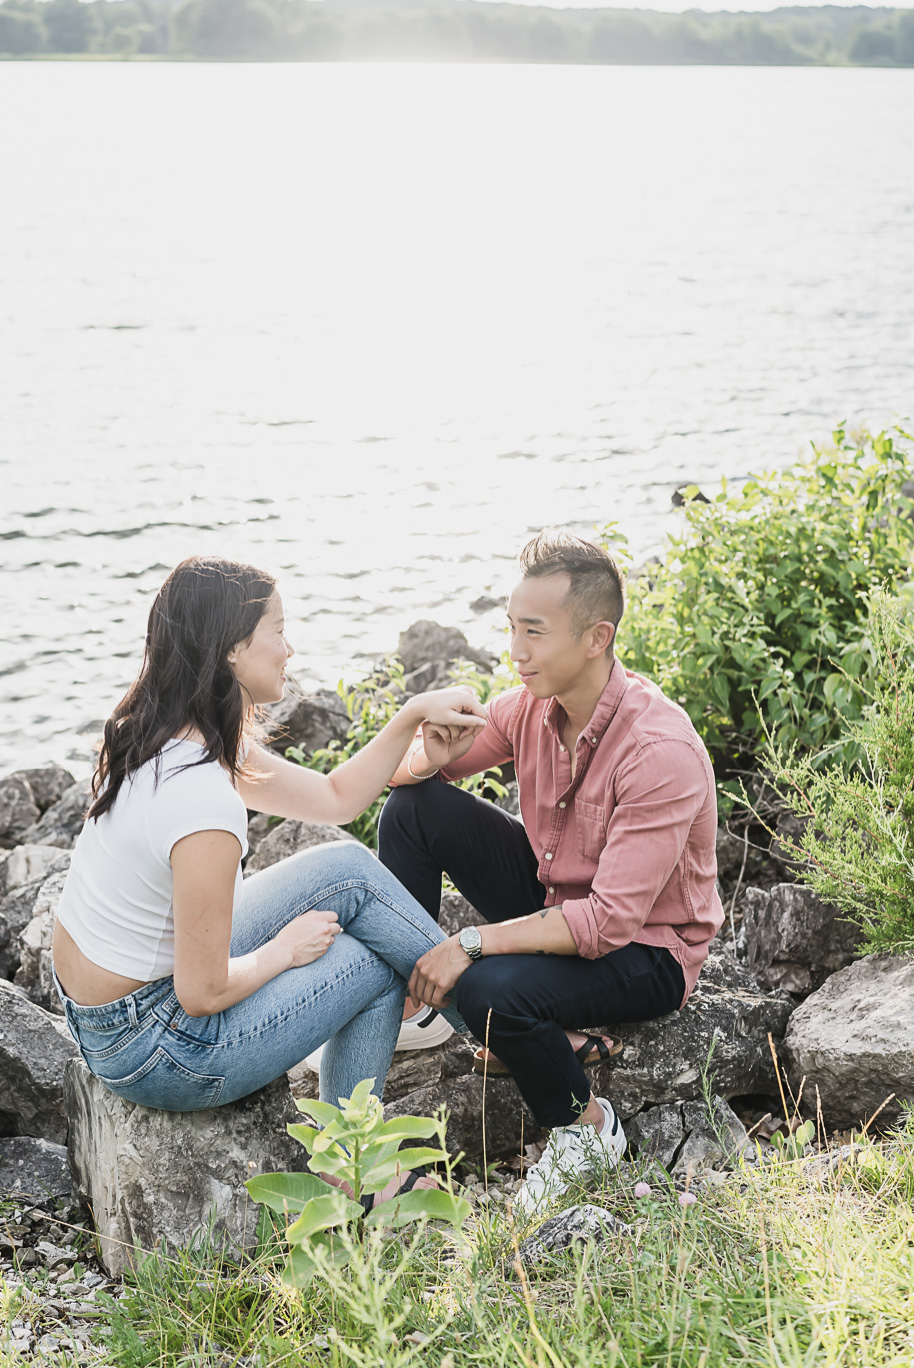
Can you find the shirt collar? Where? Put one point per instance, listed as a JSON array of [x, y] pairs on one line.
[[603, 713]]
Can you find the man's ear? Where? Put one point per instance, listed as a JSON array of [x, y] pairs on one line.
[[602, 635]]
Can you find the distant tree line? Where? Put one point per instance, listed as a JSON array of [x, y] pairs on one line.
[[451, 30]]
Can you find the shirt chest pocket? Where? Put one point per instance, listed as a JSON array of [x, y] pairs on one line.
[[591, 828]]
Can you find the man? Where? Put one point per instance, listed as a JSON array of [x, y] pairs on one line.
[[602, 901]]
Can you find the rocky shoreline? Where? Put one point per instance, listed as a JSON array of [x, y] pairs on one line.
[[785, 980]]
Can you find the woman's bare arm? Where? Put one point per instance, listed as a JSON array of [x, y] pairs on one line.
[[207, 978]]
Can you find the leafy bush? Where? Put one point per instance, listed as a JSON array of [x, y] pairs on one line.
[[355, 1145], [371, 704], [856, 843], [756, 619]]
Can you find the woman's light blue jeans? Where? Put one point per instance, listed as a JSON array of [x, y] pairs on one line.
[[148, 1050]]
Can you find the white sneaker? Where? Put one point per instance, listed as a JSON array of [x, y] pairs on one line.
[[427, 1028], [571, 1151]]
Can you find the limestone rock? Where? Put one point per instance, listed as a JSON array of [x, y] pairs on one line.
[[794, 940], [853, 1040], [17, 909], [157, 1178], [685, 1137], [63, 821], [36, 972], [289, 838], [34, 1049], [585, 1224], [48, 784], [33, 1167], [18, 810], [27, 863], [311, 721], [456, 913], [427, 650], [421, 1081], [663, 1059]]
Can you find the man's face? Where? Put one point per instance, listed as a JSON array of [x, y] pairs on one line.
[[549, 657]]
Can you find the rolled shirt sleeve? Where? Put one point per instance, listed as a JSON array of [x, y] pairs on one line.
[[658, 796]]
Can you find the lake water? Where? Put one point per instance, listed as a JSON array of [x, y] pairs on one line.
[[370, 326]]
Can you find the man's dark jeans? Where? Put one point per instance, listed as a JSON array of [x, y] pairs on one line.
[[518, 1003]]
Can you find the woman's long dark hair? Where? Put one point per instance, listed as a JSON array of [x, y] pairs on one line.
[[205, 608]]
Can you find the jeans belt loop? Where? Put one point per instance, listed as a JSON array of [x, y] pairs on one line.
[[130, 1000]]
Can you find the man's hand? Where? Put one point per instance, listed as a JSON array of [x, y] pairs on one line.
[[437, 972], [445, 745]]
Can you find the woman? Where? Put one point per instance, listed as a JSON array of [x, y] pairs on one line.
[[184, 986]]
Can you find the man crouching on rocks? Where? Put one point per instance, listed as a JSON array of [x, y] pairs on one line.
[[601, 902]]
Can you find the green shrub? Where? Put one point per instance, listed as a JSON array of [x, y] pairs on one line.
[[756, 618], [856, 842], [372, 703]]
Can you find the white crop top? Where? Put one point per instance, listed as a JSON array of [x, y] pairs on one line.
[[117, 899]]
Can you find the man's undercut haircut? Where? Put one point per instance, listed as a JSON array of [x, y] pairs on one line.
[[597, 590]]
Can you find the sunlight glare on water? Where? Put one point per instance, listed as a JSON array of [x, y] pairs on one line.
[[370, 326]]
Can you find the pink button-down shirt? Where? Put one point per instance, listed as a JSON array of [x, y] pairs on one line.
[[628, 845]]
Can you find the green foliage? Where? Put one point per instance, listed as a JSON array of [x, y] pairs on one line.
[[856, 847], [756, 621], [355, 1145], [795, 1145], [371, 704], [455, 31]]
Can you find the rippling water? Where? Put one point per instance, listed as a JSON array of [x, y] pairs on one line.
[[369, 326]]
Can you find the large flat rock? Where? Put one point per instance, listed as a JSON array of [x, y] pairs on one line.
[[161, 1178]]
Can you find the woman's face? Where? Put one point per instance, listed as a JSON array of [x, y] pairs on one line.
[[259, 664]]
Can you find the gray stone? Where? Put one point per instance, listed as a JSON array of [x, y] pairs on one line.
[[48, 784], [577, 1225], [160, 1178], [487, 1118], [34, 1049], [289, 838], [853, 1041], [456, 913], [27, 863], [427, 644], [793, 940], [63, 821], [726, 1013], [33, 1167], [18, 810], [16, 911], [310, 721], [730, 849], [36, 970], [686, 1137]]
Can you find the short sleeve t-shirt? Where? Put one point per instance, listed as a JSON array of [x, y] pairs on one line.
[[117, 900]]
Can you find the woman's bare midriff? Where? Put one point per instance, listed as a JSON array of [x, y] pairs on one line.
[[87, 983]]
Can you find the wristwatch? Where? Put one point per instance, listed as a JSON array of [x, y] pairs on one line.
[[471, 942]]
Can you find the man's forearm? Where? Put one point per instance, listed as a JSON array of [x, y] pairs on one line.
[[542, 933]]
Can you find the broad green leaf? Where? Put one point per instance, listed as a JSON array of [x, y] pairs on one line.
[[407, 1128], [305, 1134], [322, 1112], [323, 1213], [285, 1192], [431, 1205], [302, 1266]]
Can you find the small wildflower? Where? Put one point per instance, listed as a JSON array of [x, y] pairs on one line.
[[642, 1189], [687, 1198]]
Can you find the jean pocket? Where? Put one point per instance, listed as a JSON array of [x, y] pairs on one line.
[[164, 1083], [103, 1042]]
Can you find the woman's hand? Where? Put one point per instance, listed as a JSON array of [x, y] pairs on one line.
[[309, 936], [458, 709]]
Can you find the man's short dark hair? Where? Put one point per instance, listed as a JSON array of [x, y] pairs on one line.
[[597, 590]]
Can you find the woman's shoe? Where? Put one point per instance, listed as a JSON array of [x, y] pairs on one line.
[[424, 1030], [594, 1051]]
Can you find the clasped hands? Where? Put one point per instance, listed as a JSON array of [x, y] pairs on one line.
[[437, 972]]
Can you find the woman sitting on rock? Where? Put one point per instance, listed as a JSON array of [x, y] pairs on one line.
[[184, 986]]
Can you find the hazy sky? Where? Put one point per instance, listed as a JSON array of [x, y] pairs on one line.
[[678, 6]]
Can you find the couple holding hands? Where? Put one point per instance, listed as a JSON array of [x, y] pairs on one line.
[[186, 987]]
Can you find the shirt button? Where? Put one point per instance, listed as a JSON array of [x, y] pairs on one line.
[[593, 740], [561, 805], [561, 748], [548, 854], [551, 891]]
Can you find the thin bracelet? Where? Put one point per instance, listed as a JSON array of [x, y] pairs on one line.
[[409, 766]]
